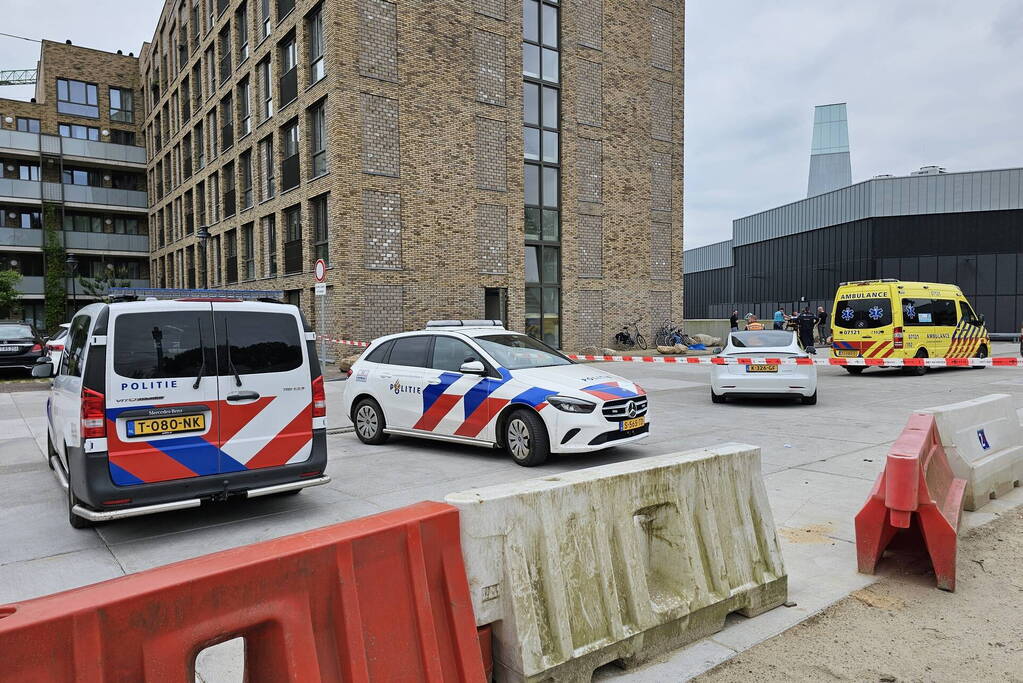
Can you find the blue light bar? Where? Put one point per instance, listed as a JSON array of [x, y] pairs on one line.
[[156, 293]]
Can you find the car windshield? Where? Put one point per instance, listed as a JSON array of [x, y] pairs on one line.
[[9, 331], [761, 339], [518, 352]]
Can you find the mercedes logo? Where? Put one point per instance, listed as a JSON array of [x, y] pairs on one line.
[[631, 409]]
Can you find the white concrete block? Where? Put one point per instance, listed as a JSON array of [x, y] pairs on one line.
[[983, 440], [619, 563]]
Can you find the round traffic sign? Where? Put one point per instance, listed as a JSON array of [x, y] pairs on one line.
[[320, 270]]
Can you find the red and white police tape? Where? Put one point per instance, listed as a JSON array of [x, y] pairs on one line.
[[717, 360]]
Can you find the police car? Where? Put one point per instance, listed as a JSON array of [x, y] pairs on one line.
[[161, 404], [475, 382]]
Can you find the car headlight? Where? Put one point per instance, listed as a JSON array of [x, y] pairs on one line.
[[571, 405]]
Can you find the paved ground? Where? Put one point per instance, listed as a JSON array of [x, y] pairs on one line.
[[819, 463]]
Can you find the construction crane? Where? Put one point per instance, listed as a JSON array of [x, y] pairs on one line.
[[18, 77]]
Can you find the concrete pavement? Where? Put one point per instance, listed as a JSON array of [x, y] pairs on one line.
[[819, 463]]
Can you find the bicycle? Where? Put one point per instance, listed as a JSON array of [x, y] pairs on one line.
[[669, 334], [627, 339]]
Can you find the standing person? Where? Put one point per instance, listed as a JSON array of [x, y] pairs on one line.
[[779, 319], [805, 322], [753, 324], [822, 325], [733, 322]]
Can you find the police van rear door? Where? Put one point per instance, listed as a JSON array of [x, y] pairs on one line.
[[265, 385], [161, 403]]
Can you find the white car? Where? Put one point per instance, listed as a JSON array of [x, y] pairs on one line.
[[764, 377], [475, 382], [55, 344]]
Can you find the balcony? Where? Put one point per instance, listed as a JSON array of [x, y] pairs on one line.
[[78, 241], [32, 285], [14, 189], [17, 142], [104, 151], [20, 237], [106, 196]]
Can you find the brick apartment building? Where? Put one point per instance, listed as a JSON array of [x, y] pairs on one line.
[[495, 158], [74, 153]]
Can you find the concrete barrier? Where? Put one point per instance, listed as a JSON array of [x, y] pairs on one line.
[[619, 563], [984, 443]]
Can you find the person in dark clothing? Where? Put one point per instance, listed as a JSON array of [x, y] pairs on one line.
[[733, 322], [822, 325], [805, 322]]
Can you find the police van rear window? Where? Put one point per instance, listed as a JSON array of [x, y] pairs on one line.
[[260, 342], [159, 345], [863, 314]]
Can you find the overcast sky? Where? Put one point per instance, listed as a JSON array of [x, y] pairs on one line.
[[926, 82]]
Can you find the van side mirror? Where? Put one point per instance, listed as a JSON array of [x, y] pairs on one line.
[[43, 367], [472, 367]]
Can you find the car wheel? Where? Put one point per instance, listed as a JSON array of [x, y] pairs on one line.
[[810, 400], [920, 370], [74, 520], [525, 438], [854, 369], [716, 398], [981, 353], [369, 423]]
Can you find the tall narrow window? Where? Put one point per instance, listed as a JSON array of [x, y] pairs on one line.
[[77, 98], [229, 191], [290, 161], [224, 44], [248, 252], [284, 8], [293, 240], [542, 191], [227, 121], [241, 25], [264, 17], [211, 129], [270, 236], [200, 147], [288, 84], [268, 164], [211, 72], [245, 162], [244, 108], [200, 202], [321, 236], [231, 255], [214, 198], [266, 89], [122, 105], [314, 31], [318, 138]]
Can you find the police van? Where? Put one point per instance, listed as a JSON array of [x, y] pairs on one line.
[[474, 382], [895, 319], [180, 397]]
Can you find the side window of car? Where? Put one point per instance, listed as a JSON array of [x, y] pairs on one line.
[[968, 315], [449, 354], [410, 351], [74, 351], [379, 354]]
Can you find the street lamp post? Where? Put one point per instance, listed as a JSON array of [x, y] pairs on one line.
[[72, 267], [202, 235]]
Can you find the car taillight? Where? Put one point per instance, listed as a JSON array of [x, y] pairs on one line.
[[94, 424], [37, 347], [56, 347], [319, 398], [897, 336]]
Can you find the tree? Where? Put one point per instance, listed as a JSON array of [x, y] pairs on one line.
[[54, 287], [99, 287], [9, 294]]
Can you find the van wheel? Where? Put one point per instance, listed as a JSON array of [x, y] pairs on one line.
[[74, 520], [854, 369], [716, 398], [369, 423], [525, 438], [981, 353], [917, 371], [810, 400]]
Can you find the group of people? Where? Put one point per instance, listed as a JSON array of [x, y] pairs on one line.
[[804, 323]]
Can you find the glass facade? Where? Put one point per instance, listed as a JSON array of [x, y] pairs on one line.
[[541, 130]]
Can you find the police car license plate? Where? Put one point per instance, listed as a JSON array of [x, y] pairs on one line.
[[845, 353], [166, 425], [8, 348], [762, 368], [634, 423]]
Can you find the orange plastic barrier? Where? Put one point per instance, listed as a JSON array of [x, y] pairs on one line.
[[382, 598], [917, 487]]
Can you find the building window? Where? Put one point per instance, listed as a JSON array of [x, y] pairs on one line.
[[81, 176], [200, 201], [245, 162], [200, 146], [241, 23], [264, 17], [268, 187], [290, 161], [122, 105], [248, 252], [314, 30], [229, 195], [77, 98], [224, 44], [293, 240], [214, 197], [244, 108], [318, 138], [211, 127], [227, 122], [321, 236], [73, 130], [122, 137], [216, 263], [542, 192], [288, 84], [284, 8], [211, 73], [266, 89], [26, 125], [270, 235], [231, 254], [28, 171]]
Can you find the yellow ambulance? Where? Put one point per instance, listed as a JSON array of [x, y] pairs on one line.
[[895, 319]]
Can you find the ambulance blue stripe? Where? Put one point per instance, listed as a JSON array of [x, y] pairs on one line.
[[122, 477], [434, 391], [534, 396], [483, 389]]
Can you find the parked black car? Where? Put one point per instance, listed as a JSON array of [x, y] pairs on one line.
[[20, 346]]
